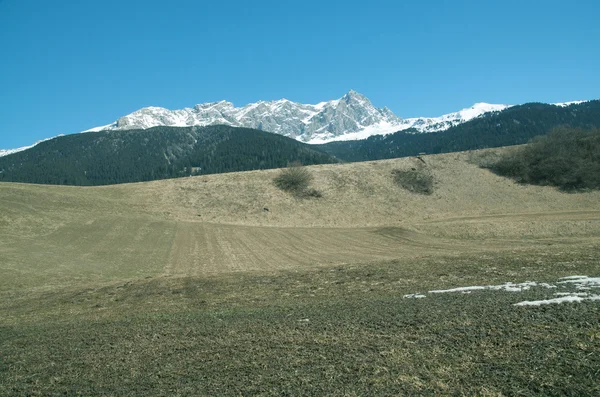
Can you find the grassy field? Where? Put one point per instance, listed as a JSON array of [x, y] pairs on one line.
[[191, 287]]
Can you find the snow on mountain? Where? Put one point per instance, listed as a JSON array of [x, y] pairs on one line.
[[421, 124], [6, 152], [565, 104], [350, 117], [351, 113]]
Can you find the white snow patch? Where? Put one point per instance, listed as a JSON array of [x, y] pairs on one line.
[[480, 108], [421, 124], [565, 104], [101, 128], [580, 283], [459, 289], [571, 294], [4, 152], [414, 296], [382, 128], [510, 287], [562, 299]]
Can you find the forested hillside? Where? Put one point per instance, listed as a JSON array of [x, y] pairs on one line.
[[513, 126], [111, 157], [567, 158]]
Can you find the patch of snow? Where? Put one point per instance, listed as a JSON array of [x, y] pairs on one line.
[[510, 287], [571, 294], [562, 299], [382, 128], [421, 124], [414, 296], [581, 283], [101, 128], [459, 289], [565, 104], [479, 109], [4, 152]]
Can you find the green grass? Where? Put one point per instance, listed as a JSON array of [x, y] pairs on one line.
[[345, 330]]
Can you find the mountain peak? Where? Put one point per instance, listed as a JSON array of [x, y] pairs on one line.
[[349, 118], [354, 94], [353, 116]]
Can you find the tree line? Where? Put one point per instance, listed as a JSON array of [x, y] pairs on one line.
[[111, 157]]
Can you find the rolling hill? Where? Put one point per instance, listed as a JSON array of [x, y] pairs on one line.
[[134, 155], [110, 157], [225, 285]]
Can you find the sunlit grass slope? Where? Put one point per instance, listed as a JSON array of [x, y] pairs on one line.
[[225, 285]]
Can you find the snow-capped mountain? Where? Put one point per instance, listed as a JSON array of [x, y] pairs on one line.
[[352, 116], [351, 113], [421, 124]]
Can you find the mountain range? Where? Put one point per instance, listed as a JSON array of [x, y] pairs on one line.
[[135, 155], [352, 117]]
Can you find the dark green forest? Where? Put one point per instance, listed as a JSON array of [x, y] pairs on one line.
[[111, 157], [567, 158], [513, 126]]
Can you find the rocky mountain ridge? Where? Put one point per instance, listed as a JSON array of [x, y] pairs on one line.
[[352, 116]]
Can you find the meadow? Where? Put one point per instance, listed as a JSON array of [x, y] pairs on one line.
[[226, 285]]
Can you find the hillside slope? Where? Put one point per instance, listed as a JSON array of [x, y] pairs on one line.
[[123, 156], [110, 157], [147, 288], [354, 195], [513, 126], [240, 222]]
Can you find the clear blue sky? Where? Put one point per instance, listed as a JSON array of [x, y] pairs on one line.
[[69, 65]]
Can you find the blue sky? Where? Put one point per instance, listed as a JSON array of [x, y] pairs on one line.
[[69, 65]]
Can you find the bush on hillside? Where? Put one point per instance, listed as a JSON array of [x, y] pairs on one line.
[[416, 180], [296, 180], [314, 193], [567, 158]]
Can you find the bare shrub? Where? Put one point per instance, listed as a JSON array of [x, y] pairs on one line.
[[314, 193], [296, 180]]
